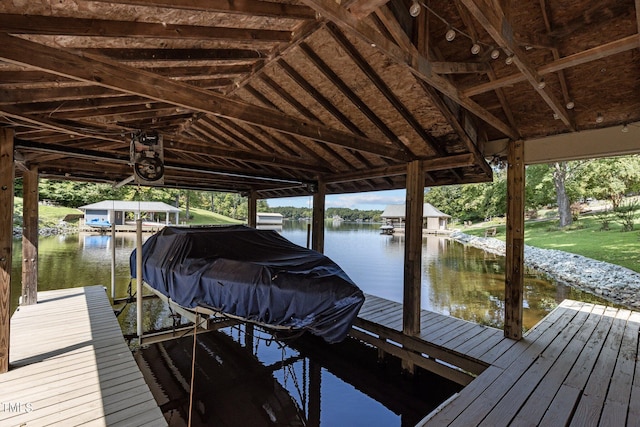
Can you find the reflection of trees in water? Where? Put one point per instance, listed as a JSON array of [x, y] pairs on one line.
[[468, 283]]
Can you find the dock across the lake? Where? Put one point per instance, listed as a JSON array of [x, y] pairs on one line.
[[70, 366], [579, 366]]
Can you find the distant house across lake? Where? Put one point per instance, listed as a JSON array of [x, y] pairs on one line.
[[432, 218], [115, 212]]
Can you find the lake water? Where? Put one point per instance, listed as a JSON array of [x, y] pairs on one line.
[[248, 379]]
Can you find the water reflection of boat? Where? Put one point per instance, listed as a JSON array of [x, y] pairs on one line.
[[256, 275], [232, 387], [387, 229]]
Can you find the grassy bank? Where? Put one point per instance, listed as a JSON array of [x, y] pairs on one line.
[[585, 238]]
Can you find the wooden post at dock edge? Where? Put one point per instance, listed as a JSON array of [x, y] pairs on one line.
[[30, 236], [412, 254], [252, 209], [413, 249], [317, 220], [6, 241], [113, 257], [514, 263], [139, 276]]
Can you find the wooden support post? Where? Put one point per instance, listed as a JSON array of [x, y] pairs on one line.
[[6, 241], [30, 236], [139, 277], [514, 263], [252, 200], [113, 258], [317, 227], [413, 249]]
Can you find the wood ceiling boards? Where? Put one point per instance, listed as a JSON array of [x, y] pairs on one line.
[[272, 96]]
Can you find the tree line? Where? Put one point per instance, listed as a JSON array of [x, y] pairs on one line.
[[560, 185]]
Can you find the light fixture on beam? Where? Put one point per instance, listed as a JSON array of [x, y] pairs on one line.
[[541, 84], [450, 35], [625, 128], [495, 54], [475, 49], [414, 9], [570, 105], [509, 60], [599, 118]]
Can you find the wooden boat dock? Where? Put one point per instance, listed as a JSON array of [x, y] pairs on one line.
[[578, 366], [70, 366]]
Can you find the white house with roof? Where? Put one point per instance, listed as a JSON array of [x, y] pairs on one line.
[[432, 218], [114, 211]]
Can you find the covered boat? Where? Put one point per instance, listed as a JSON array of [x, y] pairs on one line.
[[256, 275]]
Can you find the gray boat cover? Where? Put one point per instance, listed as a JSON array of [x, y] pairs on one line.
[[254, 274]]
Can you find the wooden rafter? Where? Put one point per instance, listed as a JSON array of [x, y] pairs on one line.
[[50, 25], [598, 52], [465, 131], [384, 88], [430, 165], [333, 77], [491, 74], [415, 63], [362, 8], [117, 76], [173, 143], [242, 7], [544, 7], [499, 28]]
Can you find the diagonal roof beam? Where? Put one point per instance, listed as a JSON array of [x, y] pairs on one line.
[[50, 25], [460, 123], [417, 64], [241, 7], [107, 73], [172, 142], [362, 8], [499, 28], [593, 54]]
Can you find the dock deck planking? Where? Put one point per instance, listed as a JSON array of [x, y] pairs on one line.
[[70, 363], [579, 366], [444, 332]]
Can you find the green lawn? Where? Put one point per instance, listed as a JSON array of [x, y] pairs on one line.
[[50, 216], [583, 238], [205, 217]]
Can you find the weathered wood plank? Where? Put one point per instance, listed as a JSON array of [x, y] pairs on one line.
[[78, 369], [540, 399], [513, 400], [618, 395], [471, 409], [579, 366], [592, 399]]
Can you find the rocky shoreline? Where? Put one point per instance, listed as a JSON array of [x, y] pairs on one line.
[[63, 228], [611, 282]]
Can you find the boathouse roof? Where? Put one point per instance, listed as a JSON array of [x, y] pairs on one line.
[[276, 96], [130, 206]]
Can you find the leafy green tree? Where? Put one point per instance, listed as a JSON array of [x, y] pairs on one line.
[[612, 178], [539, 187]]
